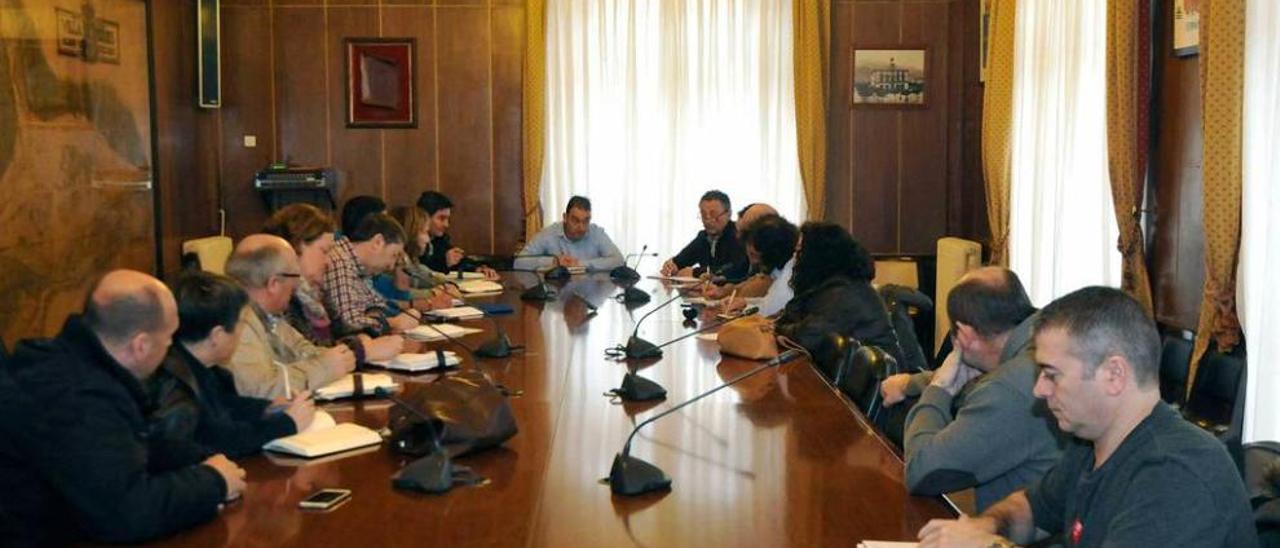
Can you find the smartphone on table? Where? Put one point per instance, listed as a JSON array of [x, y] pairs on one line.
[[325, 499]]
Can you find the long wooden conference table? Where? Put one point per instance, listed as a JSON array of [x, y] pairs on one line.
[[780, 459]]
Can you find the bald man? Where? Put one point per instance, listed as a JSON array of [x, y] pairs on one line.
[[756, 283], [79, 464], [272, 355], [994, 436]]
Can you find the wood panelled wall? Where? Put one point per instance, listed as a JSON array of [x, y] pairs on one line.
[[901, 178], [283, 78], [1177, 252]]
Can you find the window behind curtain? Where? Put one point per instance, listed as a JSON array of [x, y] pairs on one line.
[[1259, 270], [1062, 227], [652, 103]]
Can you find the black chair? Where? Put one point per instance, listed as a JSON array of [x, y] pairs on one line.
[[1261, 471], [1175, 363], [1212, 404], [898, 300], [860, 373]]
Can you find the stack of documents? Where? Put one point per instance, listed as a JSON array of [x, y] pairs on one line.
[[437, 331], [457, 313], [470, 287], [413, 363], [346, 386]]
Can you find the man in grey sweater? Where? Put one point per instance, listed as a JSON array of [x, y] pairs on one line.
[[977, 423]]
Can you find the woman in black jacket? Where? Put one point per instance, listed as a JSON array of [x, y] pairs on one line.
[[833, 294]]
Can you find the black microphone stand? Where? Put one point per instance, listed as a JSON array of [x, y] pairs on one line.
[[637, 388], [435, 472], [627, 273], [472, 352], [637, 348], [630, 476]]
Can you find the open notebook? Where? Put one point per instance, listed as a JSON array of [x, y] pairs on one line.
[[432, 332], [346, 386], [457, 313], [324, 437], [460, 275], [414, 363], [479, 286]]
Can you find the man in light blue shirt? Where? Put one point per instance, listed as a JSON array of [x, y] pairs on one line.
[[572, 242]]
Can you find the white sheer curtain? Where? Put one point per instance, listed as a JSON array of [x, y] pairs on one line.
[[1062, 227], [1259, 271], [651, 103]]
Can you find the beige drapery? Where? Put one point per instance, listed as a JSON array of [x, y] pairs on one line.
[[997, 125], [1126, 169], [534, 109], [1222, 102], [811, 20]]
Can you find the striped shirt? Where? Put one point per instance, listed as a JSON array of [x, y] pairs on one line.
[[349, 297]]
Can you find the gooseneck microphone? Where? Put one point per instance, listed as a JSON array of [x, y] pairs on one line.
[[637, 348], [538, 291], [626, 273], [475, 356], [433, 473], [637, 388], [500, 346], [630, 476]]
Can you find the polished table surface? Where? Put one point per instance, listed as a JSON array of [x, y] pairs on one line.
[[780, 459]]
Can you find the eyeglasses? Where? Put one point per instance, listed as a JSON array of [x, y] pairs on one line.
[[706, 217], [288, 274]]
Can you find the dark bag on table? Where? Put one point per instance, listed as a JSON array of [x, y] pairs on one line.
[[469, 414]]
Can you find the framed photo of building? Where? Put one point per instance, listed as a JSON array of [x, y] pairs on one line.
[[380, 82], [885, 77], [1186, 27]]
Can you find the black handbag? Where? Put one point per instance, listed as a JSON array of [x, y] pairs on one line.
[[469, 413]]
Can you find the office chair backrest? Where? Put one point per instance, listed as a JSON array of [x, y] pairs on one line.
[[956, 256], [1175, 363], [898, 301], [1212, 402], [861, 373], [208, 254]]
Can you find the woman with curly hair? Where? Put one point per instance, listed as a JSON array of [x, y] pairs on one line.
[[833, 294]]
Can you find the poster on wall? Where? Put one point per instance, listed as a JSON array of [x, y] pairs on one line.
[[1186, 27]]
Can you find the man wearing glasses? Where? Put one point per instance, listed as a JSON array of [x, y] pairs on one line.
[[716, 250], [267, 267]]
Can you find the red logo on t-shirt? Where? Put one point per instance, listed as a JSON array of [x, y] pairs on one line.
[[1077, 531]]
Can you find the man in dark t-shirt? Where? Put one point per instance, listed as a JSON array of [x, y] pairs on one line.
[[1139, 475]]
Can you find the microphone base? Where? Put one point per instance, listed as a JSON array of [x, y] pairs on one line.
[[538, 292], [637, 388], [497, 348], [632, 295], [631, 476], [430, 474], [624, 274], [640, 349]]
